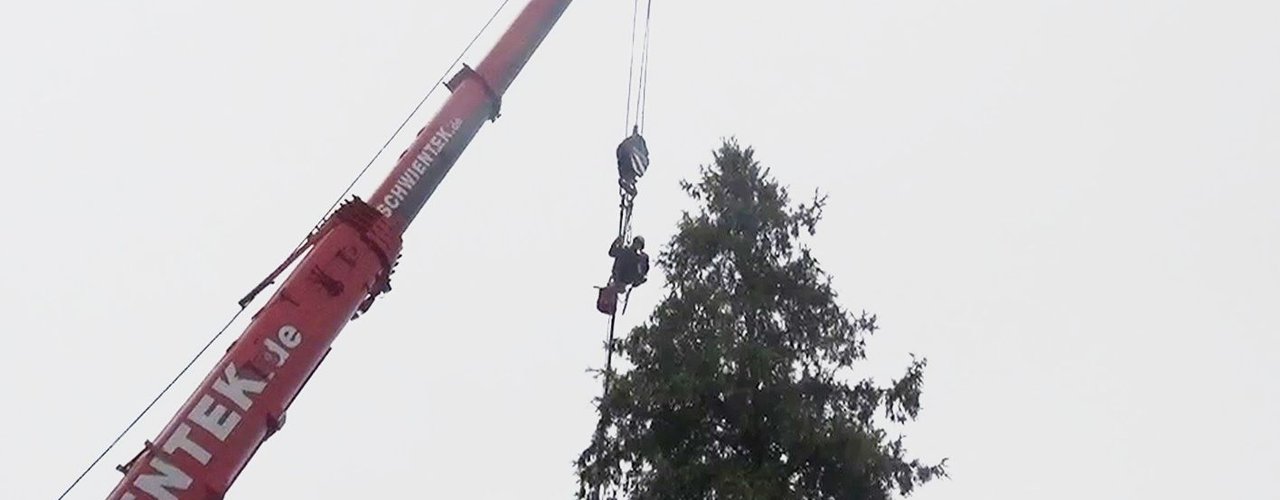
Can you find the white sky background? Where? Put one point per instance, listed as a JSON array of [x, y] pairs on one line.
[[1068, 207]]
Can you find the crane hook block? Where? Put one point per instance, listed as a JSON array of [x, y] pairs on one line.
[[633, 160]]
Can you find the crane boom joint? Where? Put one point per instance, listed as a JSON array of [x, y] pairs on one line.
[[466, 73]]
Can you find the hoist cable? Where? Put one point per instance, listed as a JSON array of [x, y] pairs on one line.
[[303, 243], [622, 221], [643, 98], [602, 425], [631, 65], [608, 360]]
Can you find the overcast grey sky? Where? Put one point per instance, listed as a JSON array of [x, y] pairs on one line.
[[1068, 207]]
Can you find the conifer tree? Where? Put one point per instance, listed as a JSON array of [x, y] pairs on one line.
[[739, 381]]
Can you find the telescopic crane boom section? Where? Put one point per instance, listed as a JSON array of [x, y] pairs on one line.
[[243, 400]]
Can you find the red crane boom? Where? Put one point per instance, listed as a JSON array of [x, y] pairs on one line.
[[345, 264]]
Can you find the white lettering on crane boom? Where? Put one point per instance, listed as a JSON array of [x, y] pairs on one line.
[[215, 419], [237, 389], [157, 485], [425, 159]]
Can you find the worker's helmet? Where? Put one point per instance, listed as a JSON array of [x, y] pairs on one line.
[[638, 242]]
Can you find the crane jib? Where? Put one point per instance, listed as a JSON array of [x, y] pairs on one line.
[[346, 264]]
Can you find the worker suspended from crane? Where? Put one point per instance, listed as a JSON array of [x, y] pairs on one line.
[[630, 263], [630, 270]]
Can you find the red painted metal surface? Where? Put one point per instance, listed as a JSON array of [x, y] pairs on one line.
[[475, 98], [243, 400]]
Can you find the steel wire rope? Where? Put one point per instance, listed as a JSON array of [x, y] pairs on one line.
[[643, 99], [631, 65]]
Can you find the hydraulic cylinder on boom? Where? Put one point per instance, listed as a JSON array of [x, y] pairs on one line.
[[344, 265]]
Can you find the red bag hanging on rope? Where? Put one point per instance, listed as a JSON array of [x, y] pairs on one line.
[[607, 301]]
